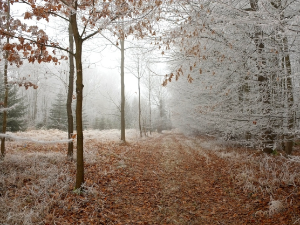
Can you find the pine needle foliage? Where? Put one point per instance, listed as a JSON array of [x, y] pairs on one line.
[[16, 109], [58, 113]]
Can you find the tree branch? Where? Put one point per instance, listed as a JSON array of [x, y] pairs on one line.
[[39, 44], [110, 41]]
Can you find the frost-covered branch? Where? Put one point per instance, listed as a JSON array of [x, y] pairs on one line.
[[8, 108]]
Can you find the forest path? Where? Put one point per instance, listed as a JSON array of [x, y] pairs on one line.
[[192, 188], [161, 179]]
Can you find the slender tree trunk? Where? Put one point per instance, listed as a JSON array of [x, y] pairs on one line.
[[5, 105], [288, 147], [35, 106], [122, 91], [139, 89], [267, 131], [161, 114], [45, 111], [289, 98], [79, 92], [149, 100], [70, 93], [5, 86]]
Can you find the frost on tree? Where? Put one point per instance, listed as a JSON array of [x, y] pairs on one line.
[[15, 111], [241, 71], [58, 113]]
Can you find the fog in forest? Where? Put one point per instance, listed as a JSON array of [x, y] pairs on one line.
[[45, 107], [231, 72], [149, 112]]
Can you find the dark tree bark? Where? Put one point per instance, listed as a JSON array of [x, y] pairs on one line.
[[161, 114], [79, 92], [289, 142], [35, 107], [5, 87], [5, 105], [139, 76], [149, 102], [122, 90], [139, 89], [70, 93]]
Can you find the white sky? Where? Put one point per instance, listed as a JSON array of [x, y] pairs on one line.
[[98, 53]]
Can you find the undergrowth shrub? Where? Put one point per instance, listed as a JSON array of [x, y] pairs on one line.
[[30, 184]]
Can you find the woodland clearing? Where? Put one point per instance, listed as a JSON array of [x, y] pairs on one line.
[[164, 178]]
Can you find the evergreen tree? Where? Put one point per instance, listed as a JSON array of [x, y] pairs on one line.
[[100, 123], [58, 113], [15, 115], [112, 124], [85, 122], [58, 118]]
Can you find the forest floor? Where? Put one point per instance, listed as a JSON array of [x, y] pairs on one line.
[[161, 179]]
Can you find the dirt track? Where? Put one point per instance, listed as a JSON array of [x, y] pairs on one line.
[[168, 179], [161, 179]]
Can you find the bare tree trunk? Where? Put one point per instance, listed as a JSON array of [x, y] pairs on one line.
[[161, 114], [45, 111], [149, 100], [70, 93], [4, 105], [5, 86], [289, 98], [267, 136], [139, 88], [288, 146], [79, 91], [35, 107], [122, 90], [265, 89]]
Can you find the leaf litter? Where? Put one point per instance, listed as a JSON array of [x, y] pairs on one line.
[[161, 179]]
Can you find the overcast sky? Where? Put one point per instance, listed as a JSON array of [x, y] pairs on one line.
[[98, 53]]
